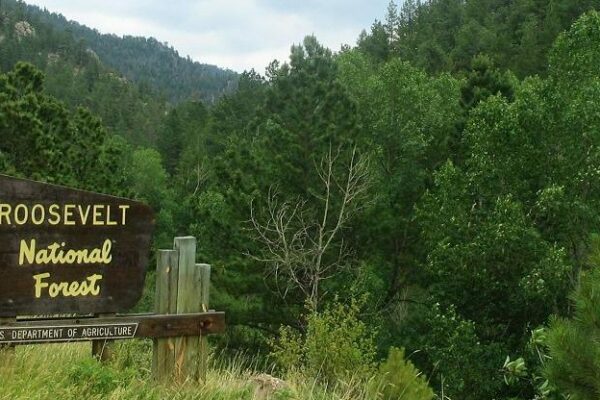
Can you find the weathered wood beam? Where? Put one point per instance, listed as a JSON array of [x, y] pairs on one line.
[[148, 326]]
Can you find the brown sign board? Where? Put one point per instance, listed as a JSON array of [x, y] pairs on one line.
[[115, 327], [67, 251], [66, 333]]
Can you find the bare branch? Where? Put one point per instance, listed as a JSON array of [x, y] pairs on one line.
[[303, 252]]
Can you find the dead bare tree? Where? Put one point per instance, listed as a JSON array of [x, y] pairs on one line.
[[301, 247]]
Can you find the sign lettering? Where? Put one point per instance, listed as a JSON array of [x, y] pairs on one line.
[[70, 251], [66, 333]]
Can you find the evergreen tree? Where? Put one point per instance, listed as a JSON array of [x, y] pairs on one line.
[[483, 80], [572, 365], [376, 44], [42, 140], [392, 21]]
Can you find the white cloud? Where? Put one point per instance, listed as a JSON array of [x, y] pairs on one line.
[[235, 34]]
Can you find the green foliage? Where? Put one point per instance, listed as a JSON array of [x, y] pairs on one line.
[[514, 370], [495, 255], [179, 139], [445, 35], [149, 182], [98, 379], [147, 177], [482, 194], [61, 44], [337, 345], [398, 379], [218, 212], [376, 44], [306, 113], [573, 57], [448, 349], [525, 374], [146, 303], [573, 343], [406, 117], [593, 257], [269, 138], [153, 64], [483, 81], [503, 233], [75, 74], [42, 140]]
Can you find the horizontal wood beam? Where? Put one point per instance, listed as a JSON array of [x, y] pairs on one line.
[[117, 327]]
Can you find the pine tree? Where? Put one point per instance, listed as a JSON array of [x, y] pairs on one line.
[[376, 44], [392, 24], [574, 343], [43, 140]]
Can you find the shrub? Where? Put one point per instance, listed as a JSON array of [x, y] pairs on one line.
[[337, 345], [95, 378], [451, 353], [398, 379]]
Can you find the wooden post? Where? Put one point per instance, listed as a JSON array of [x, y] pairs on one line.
[[167, 273], [187, 349], [7, 352], [182, 287], [102, 350], [204, 296]]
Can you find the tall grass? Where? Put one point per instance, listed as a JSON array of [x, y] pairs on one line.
[[68, 372]]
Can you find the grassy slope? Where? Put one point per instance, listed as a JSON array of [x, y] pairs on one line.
[[67, 371]]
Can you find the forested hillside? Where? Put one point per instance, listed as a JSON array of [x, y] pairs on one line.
[[444, 35], [145, 61], [76, 75], [415, 217], [150, 62]]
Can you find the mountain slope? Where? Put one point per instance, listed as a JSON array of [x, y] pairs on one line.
[[148, 61], [145, 61], [75, 74]]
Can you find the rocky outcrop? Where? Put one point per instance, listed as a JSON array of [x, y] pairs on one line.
[[267, 385], [23, 30]]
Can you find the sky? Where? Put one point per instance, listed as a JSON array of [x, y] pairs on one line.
[[234, 34]]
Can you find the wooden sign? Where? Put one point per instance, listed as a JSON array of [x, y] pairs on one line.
[[66, 333], [118, 327], [66, 251]]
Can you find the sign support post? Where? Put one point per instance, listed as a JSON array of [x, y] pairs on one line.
[[7, 351], [182, 287], [205, 296], [167, 276], [102, 349]]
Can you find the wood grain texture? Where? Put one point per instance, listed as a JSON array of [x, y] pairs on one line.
[[204, 298], [148, 325], [183, 287], [167, 273], [122, 278], [189, 300]]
